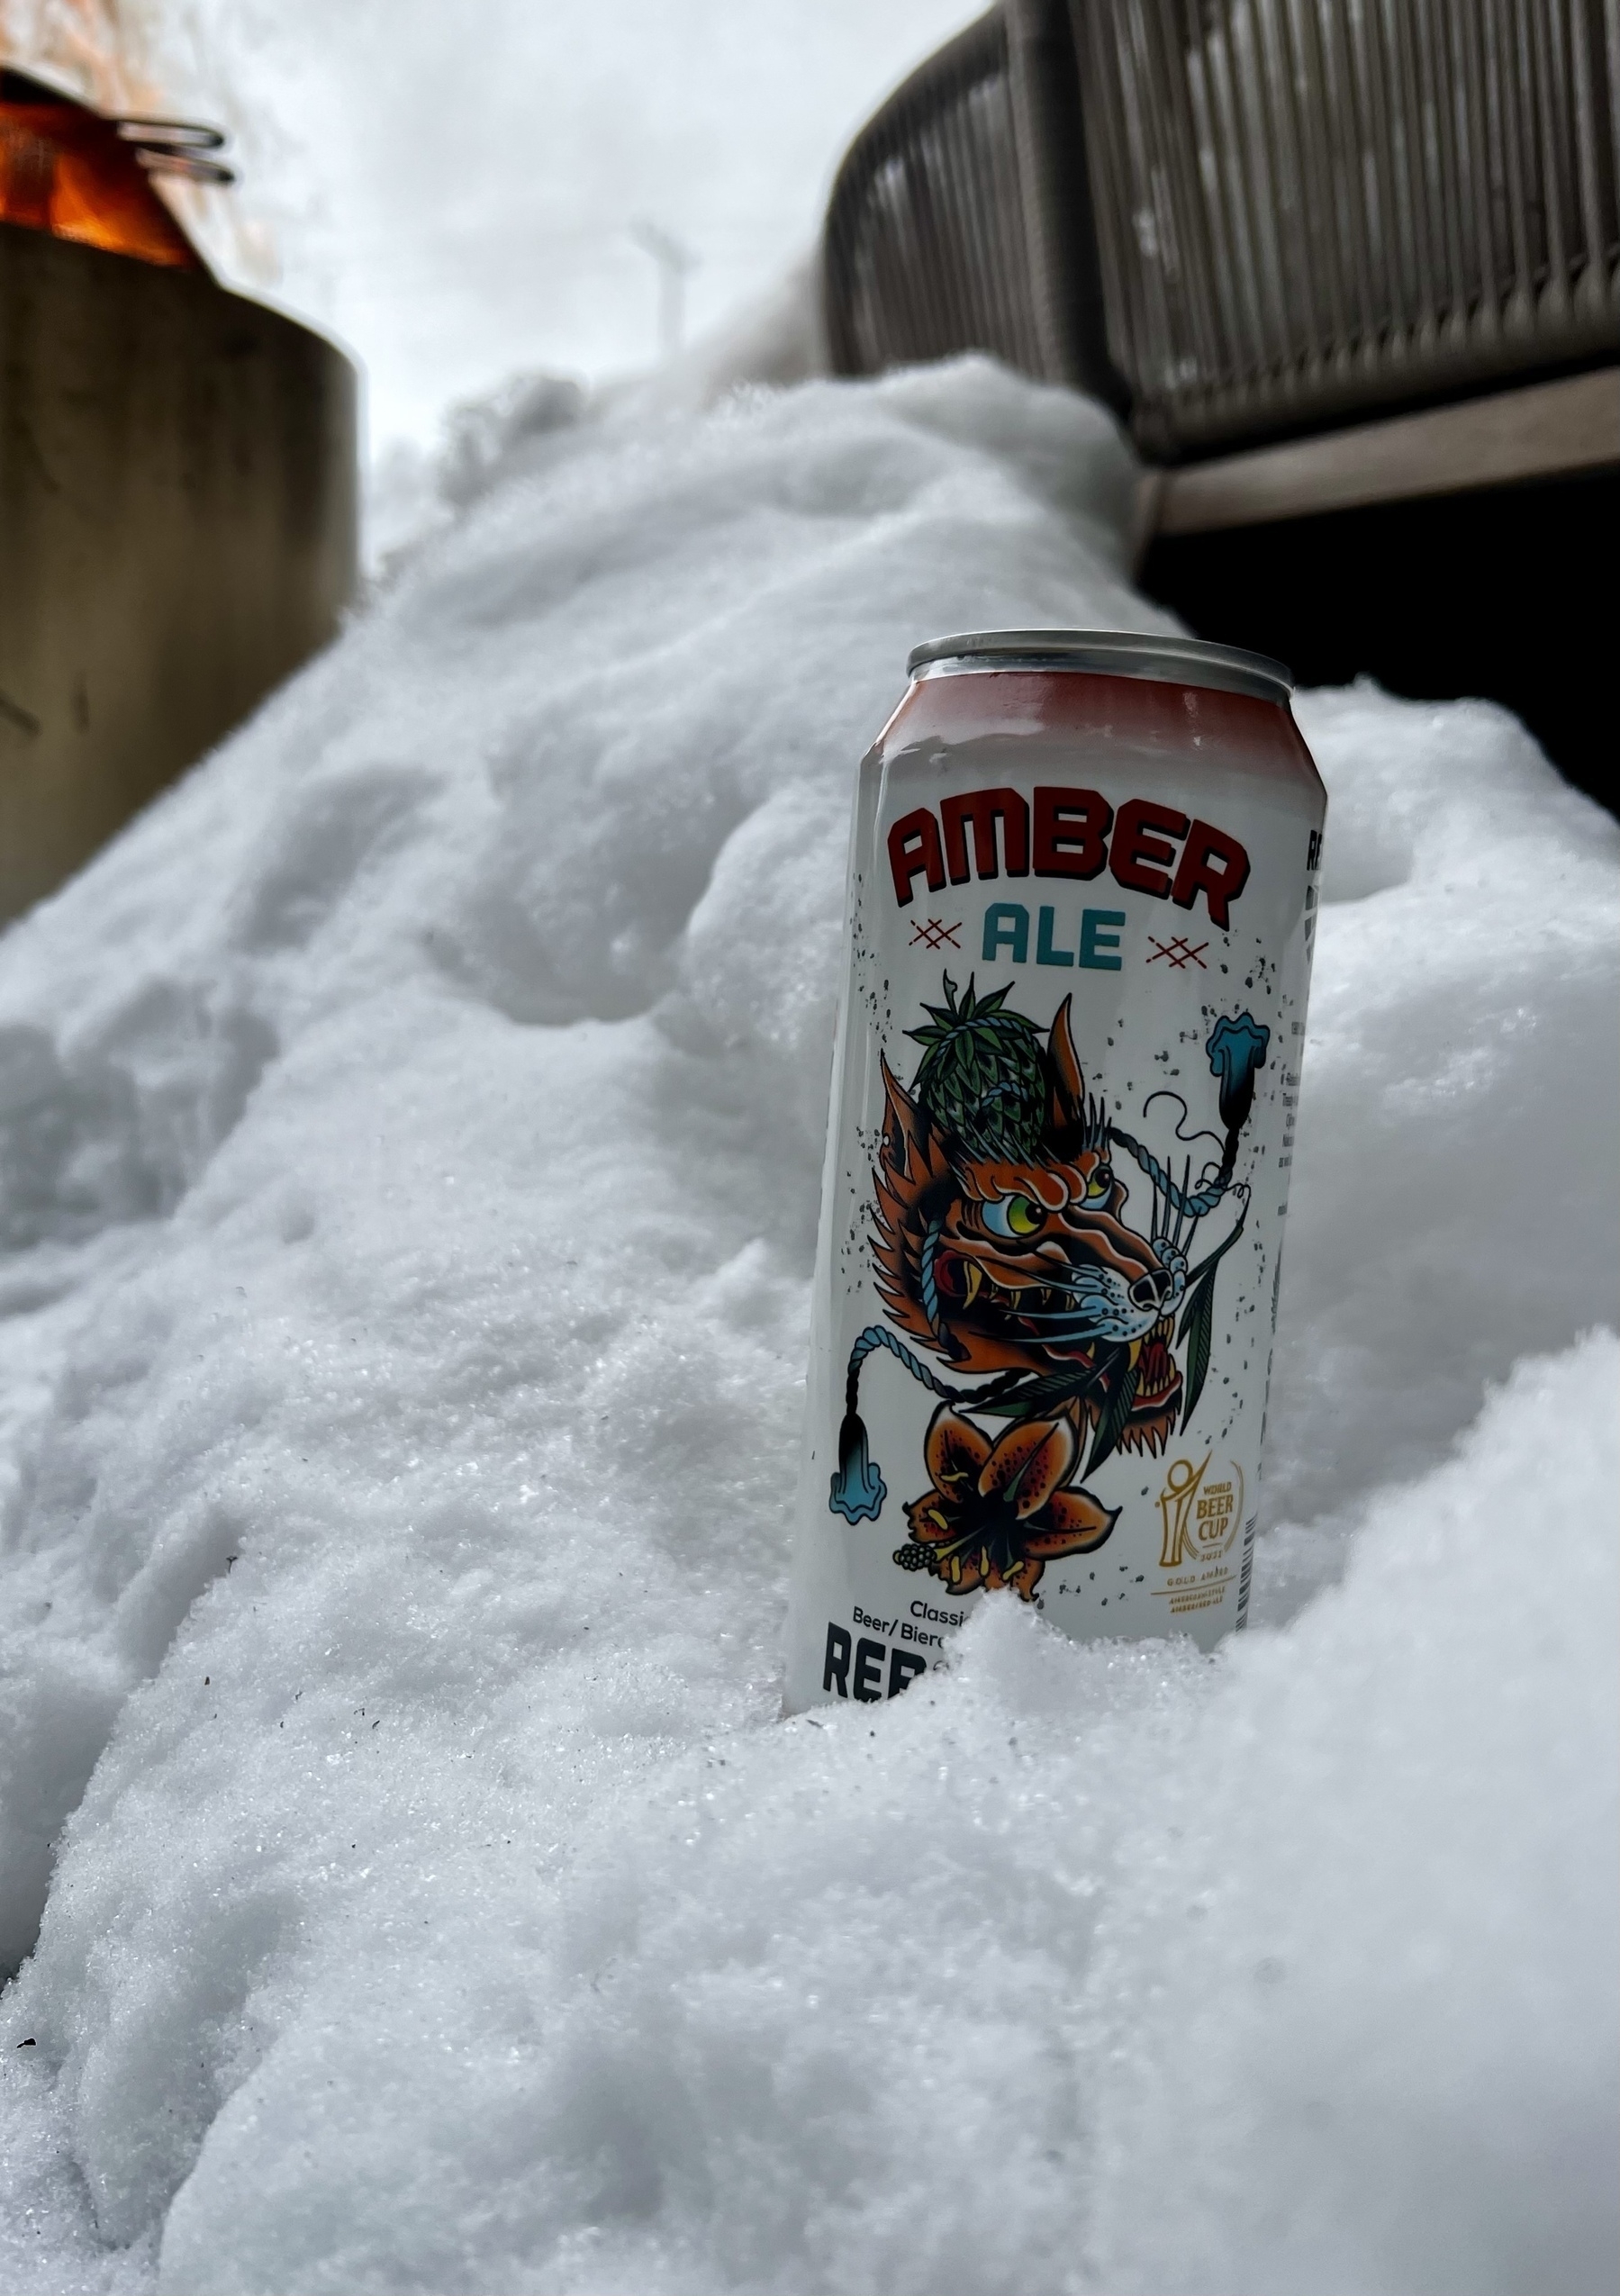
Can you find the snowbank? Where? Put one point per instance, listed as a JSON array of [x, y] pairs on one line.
[[412, 1139]]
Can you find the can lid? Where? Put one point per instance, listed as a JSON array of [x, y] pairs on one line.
[[1115, 653]]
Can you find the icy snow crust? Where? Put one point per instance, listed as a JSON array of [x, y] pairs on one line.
[[412, 1139]]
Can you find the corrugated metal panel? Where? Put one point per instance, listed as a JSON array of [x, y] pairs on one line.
[[1308, 207], [1301, 210], [925, 252]]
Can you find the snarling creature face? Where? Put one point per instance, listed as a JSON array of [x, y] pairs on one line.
[[1002, 1242], [1001, 1245]]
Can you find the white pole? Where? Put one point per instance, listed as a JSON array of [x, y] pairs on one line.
[[674, 260]]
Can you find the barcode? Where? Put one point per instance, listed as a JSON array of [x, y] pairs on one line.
[[1247, 1573]]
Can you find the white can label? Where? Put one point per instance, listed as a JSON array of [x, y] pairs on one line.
[[1052, 1217]]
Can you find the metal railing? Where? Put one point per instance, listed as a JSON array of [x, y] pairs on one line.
[[1244, 217], [925, 252]]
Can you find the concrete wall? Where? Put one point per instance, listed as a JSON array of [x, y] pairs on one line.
[[178, 532]]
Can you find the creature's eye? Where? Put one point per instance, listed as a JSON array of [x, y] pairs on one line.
[[1101, 1184], [1012, 1217]]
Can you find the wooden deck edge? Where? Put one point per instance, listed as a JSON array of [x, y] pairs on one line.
[[1543, 430]]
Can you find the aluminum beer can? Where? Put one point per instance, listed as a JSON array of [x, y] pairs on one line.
[[1081, 902]]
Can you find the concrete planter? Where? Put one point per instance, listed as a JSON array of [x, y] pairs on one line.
[[179, 532]]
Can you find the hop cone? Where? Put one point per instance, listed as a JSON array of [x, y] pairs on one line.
[[983, 1076]]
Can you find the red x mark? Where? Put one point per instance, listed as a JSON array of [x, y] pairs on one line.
[[1181, 956]]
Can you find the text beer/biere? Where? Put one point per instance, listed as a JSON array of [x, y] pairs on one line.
[[1081, 903]]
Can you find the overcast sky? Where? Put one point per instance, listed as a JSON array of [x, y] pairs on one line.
[[450, 185]]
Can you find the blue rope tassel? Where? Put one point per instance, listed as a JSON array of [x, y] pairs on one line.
[[930, 1287], [858, 1489], [1197, 1206], [876, 1335]]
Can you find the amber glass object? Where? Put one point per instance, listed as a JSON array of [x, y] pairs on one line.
[[68, 170]]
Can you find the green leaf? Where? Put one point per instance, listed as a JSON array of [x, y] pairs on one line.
[[1115, 1410], [1197, 1324]]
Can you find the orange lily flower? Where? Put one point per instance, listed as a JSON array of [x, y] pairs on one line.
[[998, 1513]]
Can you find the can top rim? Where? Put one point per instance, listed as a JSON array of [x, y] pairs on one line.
[[1129, 654]]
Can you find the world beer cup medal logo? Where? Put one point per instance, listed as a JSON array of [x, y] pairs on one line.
[[1200, 1518], [1200, 1513], [1004, 1248]]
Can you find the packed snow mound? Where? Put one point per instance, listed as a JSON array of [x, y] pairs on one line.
[[411, 1140]]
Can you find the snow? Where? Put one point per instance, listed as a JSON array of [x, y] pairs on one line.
[[412, 1132]]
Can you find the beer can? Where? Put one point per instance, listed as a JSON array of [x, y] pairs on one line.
[[1082, 901]]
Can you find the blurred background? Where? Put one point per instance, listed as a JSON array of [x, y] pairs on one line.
[[281, 282], [231, 344], [460, 193]]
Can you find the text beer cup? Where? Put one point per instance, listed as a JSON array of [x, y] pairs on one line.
[[1082, 894]]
